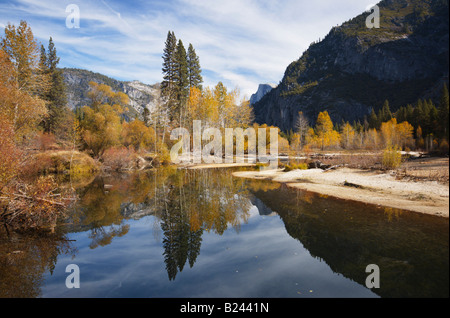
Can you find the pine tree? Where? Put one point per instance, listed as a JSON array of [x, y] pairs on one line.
[[181, 81], [400, 114], [410, 113], [194, 70], [433, 117], [168, 89], [57, 99], [373, 120], [44, 71], [419, 115], [385, 114]]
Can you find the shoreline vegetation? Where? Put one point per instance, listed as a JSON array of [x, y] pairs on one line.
[[420, 184], [49, 150]]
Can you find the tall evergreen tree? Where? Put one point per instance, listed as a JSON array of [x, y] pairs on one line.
[[385, 114], [181, 81], [373, 120], [418, 116], [44, 71], [432, 117], [194, 70], [57, 108], [409, 113], [43, 60], [168, 89]]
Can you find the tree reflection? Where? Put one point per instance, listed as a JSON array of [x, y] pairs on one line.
[[185, 203], [25, 258], [197, 201]]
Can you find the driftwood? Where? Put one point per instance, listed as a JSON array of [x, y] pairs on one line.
[[39, 199], [325, 167], [333, 167]]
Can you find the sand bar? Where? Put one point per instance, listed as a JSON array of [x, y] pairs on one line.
[[366, 186]]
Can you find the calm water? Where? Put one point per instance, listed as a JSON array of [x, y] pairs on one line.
[[203, 233]]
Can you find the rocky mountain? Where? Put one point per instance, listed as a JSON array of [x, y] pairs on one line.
[[141, 95], [263, 89], [356, 68]]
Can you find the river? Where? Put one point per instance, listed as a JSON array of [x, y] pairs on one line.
[[203, 233]]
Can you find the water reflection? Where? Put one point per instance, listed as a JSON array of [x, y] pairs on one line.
[[410, 249], [185, 203], [25, 258]]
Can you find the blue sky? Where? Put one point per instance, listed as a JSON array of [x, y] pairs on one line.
[[240, 42]]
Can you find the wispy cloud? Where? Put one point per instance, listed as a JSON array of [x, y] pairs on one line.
[[240, 42]]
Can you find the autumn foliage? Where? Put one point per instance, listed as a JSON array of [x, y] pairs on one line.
[[35, 121], [35, 205], [24, 203], [11, 155]]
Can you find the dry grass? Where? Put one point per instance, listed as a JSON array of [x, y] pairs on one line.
[[358, 160], [431, 169], [423, 169], [75, 163]]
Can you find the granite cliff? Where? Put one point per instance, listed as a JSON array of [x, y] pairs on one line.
[[355, 68], [141, 95], [263, 89]]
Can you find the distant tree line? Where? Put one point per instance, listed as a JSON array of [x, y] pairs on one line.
[[423, 126], [426, 118]]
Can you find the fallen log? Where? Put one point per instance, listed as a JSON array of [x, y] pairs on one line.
[[333, 167]]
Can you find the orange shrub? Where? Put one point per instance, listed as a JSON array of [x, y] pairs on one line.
[[118, 158], [10, 154]]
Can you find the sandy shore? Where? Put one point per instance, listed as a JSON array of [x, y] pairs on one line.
[[383, 189]]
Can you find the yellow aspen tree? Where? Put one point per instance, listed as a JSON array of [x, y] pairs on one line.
[[372, 139], [420, 142], [347, 135], [137, 135], [295, 142], [23, 80], [243, 114], [311, 138], [194, 105], [101, 123], [99, 94], [388, 132], [405, 134], [210, 109], [324, 130]]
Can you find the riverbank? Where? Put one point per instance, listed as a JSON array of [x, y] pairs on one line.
[[368, 186], [215, 165]]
